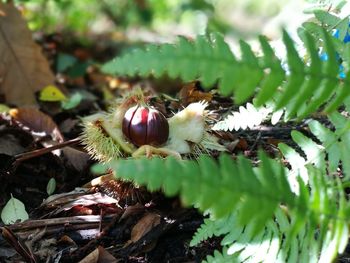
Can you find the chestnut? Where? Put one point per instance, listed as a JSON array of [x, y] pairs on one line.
[[145, 125]]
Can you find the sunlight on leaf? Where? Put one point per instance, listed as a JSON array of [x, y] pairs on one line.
[[52, 93]]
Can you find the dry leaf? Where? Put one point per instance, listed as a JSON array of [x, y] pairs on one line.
[[105, 256], [91, 258], [144, 225], [23, 68], [37, 122], [99, 255], [67, 201], [132, 210], [242, 144], [189, 94], [10, 144], [99, 180], [17, 244], [77, 159]]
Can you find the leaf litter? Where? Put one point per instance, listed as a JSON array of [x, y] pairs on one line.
[[23, 68]]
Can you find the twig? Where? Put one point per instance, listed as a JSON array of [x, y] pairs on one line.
[[28, 155]]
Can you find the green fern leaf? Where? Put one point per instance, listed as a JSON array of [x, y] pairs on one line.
[[342, 125], [335, 146], [314, 152], [312, 240], [304, 86], [310, 84], [289, 237], [221, 187], [271, 82], [327, 18], [330, 140], [328, 85], [220, 258], [296, 76], [214, 227]]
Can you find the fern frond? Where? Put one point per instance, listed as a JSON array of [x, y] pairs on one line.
[[323, 232], [219, 257], [212, 227], [217, 187], [248, 117], [245, 117], [265, 213], [315, 225], [303, 87], [329, 154]]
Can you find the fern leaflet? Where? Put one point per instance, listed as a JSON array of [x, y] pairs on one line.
[[221, 187], [276, 242], [335, 146], [210, 60]]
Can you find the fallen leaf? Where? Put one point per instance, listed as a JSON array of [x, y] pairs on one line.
[[4, 108], [77, 159], [190, 93], [67, 201], [10, 145], [99, 255], [23, 68], [91, 258], [37, 122], [65, 61], [13, 211], [52, 93], [51, 186], [68, 125], [132, 210], [17, 244], [105, 256], [273, 141], [242, 144], [72, 102], [143, 226]]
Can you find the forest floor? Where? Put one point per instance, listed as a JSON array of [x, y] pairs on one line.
[[78, 216], [90, 218]]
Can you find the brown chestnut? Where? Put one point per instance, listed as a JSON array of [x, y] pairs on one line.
[[145, 125]]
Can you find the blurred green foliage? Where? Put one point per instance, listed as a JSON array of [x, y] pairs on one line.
[[84, 15], [168, 16]]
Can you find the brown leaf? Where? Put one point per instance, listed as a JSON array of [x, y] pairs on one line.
[[37, 121], [242, 144], [91, 258], [132, 210], [273, 141], [145, 224], [105, 256], [189, 93], [99, 255], [23, 68]]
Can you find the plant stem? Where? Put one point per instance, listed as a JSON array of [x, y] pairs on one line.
[[28, 155]]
